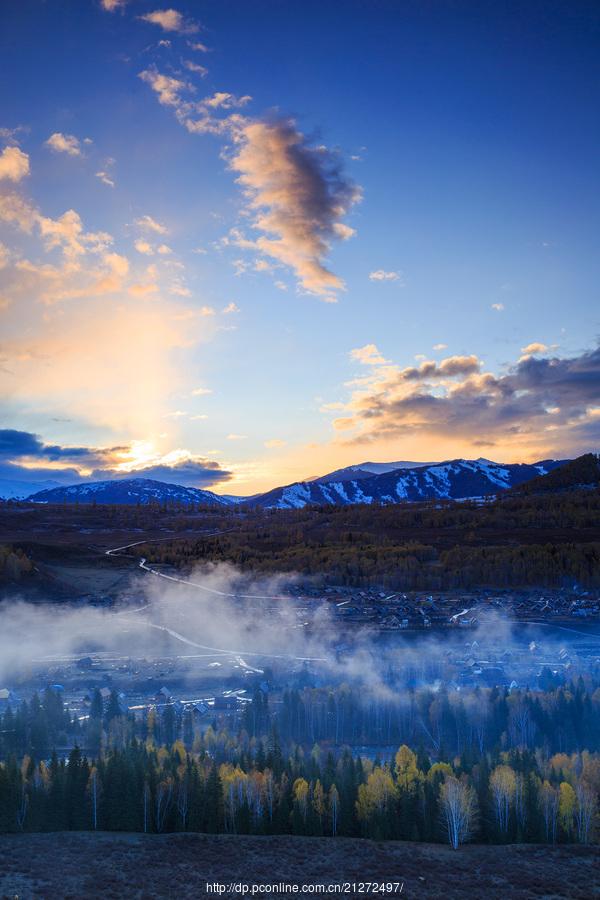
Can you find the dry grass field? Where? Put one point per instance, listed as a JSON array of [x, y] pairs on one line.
[[66, 866]]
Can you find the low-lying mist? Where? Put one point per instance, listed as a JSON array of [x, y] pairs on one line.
[[220, 612]]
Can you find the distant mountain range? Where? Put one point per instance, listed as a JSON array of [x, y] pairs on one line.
[[458, 479], [130, 492]]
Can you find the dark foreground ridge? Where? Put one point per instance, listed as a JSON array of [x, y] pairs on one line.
[[135, 866]]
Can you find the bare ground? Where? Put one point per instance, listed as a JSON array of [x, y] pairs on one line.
[[140, 867]]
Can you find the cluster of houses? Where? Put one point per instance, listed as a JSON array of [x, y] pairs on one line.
[[398, 611]]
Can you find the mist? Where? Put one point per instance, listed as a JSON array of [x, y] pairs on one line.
[[223, 615]]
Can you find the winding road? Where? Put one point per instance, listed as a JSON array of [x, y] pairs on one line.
[[187, 583]]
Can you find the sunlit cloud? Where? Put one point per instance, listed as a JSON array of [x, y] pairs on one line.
[[144, 247], [195, 68], [14, 164], [275, 443], [298, 195], [64, 143], [150, 224], [368, 355], [27, 457], [534, 347], [542, 402], [171, 20], [167, 88]]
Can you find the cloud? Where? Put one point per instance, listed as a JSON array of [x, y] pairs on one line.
[[105, 178], [193, 472], [20, 450], [275, 443], [497, 306], [440, 347], [194, 67], [237, 437], [16, 211], [10, 134], [150, 224], [143, 288], [534, 347], [447, 368], [14, 164], [72, 342], [201, 48], [368, 355], [64, 143], [169, 89], [382, 275], [18, 446], [230, 309], [171, 20], [224, 100], [112, 5], [144, 247], [298, 195], [201, 392], [546, 402]]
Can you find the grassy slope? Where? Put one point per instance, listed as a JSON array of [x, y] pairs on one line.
[[75, 865]]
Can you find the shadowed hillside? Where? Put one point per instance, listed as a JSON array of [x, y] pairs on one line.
[[60, 866], [583, 472]]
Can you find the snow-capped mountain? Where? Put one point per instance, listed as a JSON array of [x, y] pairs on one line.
[[129, 491], [17, 490], [457, 479], [366, 470]]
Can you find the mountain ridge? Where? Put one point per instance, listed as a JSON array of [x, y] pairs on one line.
[[128, 491], [458, 479]]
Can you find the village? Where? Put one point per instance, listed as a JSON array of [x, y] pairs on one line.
[[214, 689], [410, 612]]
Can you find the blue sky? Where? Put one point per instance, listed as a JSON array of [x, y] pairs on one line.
[[456, 206]]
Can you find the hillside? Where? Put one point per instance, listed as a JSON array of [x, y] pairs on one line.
[[118, 865], [583, 472]]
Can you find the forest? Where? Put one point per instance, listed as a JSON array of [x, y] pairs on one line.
[[518, 541], [490, 766]]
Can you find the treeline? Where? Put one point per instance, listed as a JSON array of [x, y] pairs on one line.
[[519, 540], [558, 718], [516, 541], [512, 797], [14, 563], [490, 765]]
